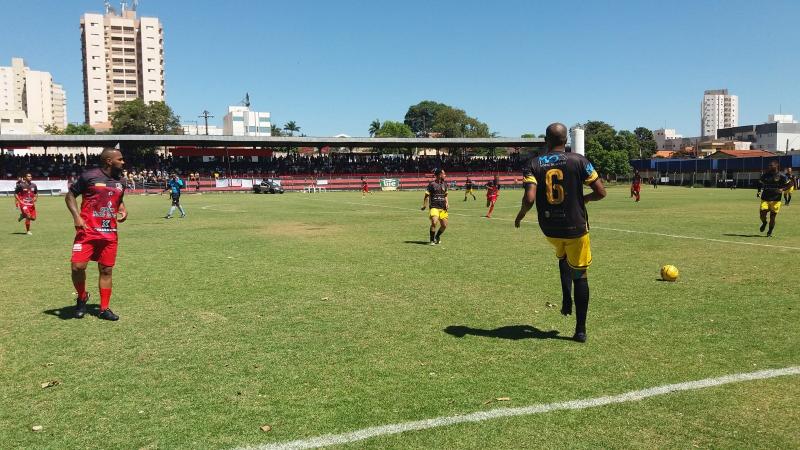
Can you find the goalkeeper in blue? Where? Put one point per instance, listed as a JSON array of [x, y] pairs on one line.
[[174, 186]]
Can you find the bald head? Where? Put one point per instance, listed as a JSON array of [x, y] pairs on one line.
[[555, 136], [108, 154], [111, 160]]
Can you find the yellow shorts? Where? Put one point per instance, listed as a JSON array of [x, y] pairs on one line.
[[790, 190], [771, 206], [468, 191], [576, 250], [440, 213]]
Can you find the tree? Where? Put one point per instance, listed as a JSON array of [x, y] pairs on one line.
[[647, 142], [420, 117], [275, 130], [83, 128], [53, 129], [391, 128], [427, 116], [291, 127], [374, 127], [628, 142], [455, 123], [607, 162], [136, 117]]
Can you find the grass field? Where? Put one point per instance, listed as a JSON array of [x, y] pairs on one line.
[[323, 313]]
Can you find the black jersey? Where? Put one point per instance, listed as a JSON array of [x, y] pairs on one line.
[[772, 185], [438, 194], [468, 185], [560, 177]]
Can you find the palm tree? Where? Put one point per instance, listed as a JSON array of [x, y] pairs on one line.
[[374, 127], [275, 130], [291, 127]]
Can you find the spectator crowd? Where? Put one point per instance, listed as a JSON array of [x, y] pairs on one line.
[[154, 168]]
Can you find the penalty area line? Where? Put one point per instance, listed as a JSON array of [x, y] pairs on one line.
[[631, 396]]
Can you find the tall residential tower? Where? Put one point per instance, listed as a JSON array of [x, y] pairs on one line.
[[29, 100], [123, 59], [718, 110]]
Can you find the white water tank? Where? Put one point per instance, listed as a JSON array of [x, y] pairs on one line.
[[577, 141]]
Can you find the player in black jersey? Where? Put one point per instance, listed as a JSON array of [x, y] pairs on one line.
[[554, 183], [436, 197], [787, 194], [468, 186], [771, 186]]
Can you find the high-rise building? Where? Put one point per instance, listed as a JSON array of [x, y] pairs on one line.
[[29, 100], [718, 110], [123, 59]]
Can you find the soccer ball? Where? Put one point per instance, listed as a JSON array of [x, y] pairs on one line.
[[669, 273]]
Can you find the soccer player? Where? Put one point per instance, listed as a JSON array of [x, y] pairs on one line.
[[771, 185], [787, 194], [25, 195], [468, 185], [96, 227], [174, 186], [492, 191], [554, 183], [436, 197], [636, 186], [364, 187]]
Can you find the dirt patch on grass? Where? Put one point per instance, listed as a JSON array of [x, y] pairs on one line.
[[299, 229]]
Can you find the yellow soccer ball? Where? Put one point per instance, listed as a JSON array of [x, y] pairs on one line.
[[669, 273]]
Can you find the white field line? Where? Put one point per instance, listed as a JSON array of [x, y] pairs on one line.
[[631, 396], [595, 227]]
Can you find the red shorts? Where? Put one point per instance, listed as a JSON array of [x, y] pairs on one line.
[[491, 198], [100, 250], [28, 211], [364, 189]]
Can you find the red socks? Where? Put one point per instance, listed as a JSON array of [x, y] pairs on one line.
[[105, 298], [80, 288]]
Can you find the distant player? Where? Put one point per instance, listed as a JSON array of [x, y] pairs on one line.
[[436, 198], [492, 191], [554, 183], [787, 194], [364, 187], [25, 195], [654, 181], [174, 186], [468, 186], [636, 186], [96, 227], [771, 185]]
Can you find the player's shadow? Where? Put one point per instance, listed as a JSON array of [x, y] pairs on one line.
[[512, 332], [68, 312], [19, 232], [743, 235], [418, 242]]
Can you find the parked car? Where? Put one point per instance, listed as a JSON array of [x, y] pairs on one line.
[[268, 187]]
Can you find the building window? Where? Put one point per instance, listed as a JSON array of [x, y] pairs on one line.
[[17, 120]]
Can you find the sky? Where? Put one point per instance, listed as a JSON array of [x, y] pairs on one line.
[[334, 67]]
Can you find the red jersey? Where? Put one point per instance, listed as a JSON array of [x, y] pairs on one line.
[[26, 193], [492, 189], [102, 196]]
